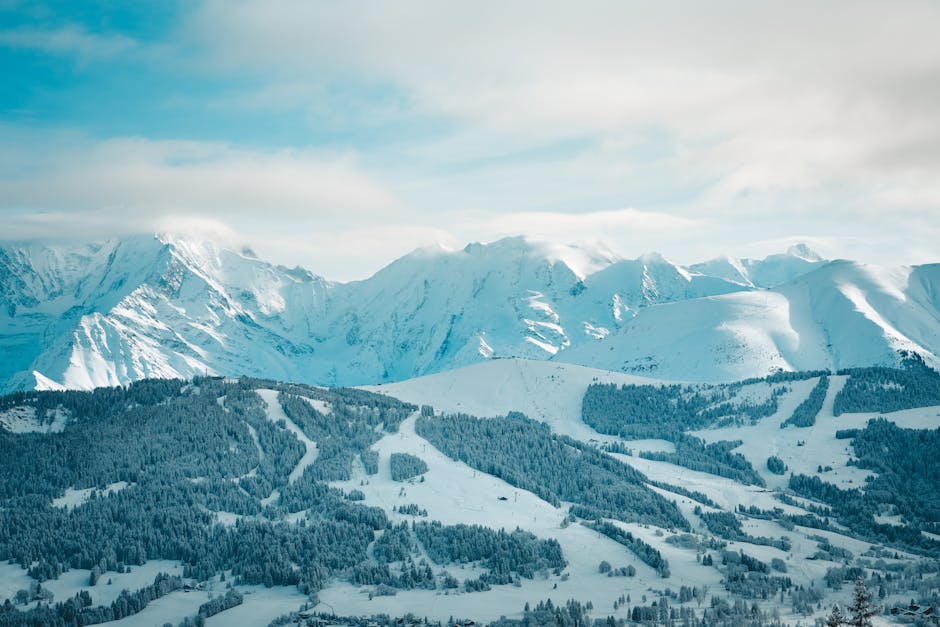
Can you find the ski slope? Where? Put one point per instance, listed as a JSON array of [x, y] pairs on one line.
[[549, 392], [453, 493]]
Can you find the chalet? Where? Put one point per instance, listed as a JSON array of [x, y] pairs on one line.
[[914, 612]]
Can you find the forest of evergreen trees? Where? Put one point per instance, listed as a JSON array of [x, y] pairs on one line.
[[883, 390], [906, 477], [79, 611], [726, 525], [190, 449], [805, 413], [526, 454], [647, 554], [669, 411], [501, 552], [405, 466], [717, 458], [663, 411]]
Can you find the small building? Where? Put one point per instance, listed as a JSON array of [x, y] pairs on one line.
[[914, 612]]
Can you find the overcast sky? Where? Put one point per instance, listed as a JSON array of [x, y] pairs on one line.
[[339, 135]]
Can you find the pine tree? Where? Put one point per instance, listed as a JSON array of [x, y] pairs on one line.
[[835, 619], [862, 610]]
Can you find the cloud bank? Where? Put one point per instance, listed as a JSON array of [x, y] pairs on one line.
[[689, 128]]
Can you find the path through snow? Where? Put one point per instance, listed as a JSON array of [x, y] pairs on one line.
[[276, 414]]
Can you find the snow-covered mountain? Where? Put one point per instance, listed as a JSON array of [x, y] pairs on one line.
[[768, 272], [841, 315], [107, 313]]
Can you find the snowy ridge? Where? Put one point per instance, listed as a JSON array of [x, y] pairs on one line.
[[87, 315]]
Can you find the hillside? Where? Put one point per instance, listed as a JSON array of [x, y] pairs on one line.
[[257, 499]]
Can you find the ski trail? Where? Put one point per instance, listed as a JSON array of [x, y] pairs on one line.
[[276, 414]]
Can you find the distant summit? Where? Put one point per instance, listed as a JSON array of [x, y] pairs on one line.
[[804, 252], [768, 272], [111, 312]]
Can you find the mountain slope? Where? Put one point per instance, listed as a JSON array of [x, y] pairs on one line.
[[841, 315], [109, 313], [150, 307], [768, 272]]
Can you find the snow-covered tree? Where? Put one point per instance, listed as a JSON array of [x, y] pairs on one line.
[[862, 610], [836, 618]]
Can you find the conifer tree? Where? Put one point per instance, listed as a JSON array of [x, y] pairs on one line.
[[862, 610], [836, 618]]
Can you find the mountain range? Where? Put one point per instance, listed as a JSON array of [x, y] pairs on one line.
[[111, 312]]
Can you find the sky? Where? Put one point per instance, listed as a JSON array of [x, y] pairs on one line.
[[341, 135]]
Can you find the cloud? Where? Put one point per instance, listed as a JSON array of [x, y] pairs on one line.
[[775, 96], [617, 224], [137, 178], [356, 251], [70, 40], [421, 122]]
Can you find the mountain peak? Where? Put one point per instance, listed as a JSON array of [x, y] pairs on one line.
[[583, 258], [802, 251], [653, 258]]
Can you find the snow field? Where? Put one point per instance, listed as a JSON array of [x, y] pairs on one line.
[[12, 578], [549, 392], [23, 419], [453, 493], [260, 607], [74, 581], [819, 444], [73, 498]]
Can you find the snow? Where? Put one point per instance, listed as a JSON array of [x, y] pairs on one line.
[[545, 346], [45, 383], [74, 498], [842, 314], [229, 519], [74, 581], [260, 607], [275, 414], [20, 419], [545, 391], [172, 608], [485, 350], [454, 493], [12, 579], [819, 444], [321, 406], [23, 419], [725, 492], [763, 273], [598, 333], [113, 312]]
